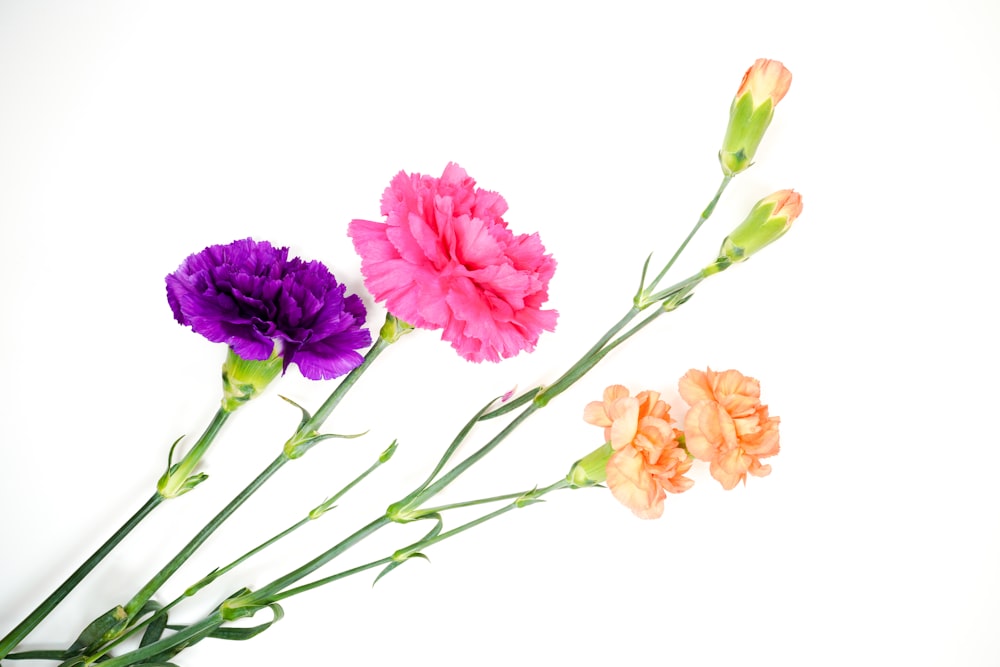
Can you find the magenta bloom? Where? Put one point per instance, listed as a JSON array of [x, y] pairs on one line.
[[444, 259], [249, 295]]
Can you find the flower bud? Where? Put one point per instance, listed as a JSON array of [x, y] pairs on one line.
[[763, 86], [767, 221], [592, 468], [243, 379]]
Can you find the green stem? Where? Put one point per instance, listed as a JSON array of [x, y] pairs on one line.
[[440, 537], [705, 215], [314, 514], [420, 545], [309, 426], [34, 618], [512, 405], [435, 488], [471, 503], [327, 580], [325, 410], [287, 580], [173, 482], [147, 591]]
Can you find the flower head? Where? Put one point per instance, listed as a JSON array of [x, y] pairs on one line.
[[444, 259], [647, 461], [763, 86], [727, 425], [767, 221], [251, 296]]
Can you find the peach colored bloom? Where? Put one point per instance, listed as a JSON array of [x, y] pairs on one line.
[[764, 79], [727, 425], [647, 461]]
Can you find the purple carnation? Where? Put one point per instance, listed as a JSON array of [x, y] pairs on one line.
[[248, 295]]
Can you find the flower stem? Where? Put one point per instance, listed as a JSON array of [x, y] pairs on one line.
[[705, 215], [325, 410], [147, 591], [177, 481], [279, 584], [309, 426], [426, 542], [34, 618]]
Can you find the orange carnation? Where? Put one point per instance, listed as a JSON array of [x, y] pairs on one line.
[[647, 460], [727, 425]]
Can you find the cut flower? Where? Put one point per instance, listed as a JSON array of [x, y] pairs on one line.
[[251, 296], [647, 461], [727, 425], [445, 259]]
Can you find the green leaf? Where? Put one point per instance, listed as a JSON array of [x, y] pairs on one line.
[[305, 413], [241, 634], [154, 631]]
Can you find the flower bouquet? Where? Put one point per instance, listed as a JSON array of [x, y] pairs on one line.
[[442, 258]]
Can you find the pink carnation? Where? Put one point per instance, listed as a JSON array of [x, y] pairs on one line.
[[444, 259]]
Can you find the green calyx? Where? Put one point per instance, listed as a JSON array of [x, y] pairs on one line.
[[244, 379], [758, 230], [394, 329], [592, 469], [744, 133]]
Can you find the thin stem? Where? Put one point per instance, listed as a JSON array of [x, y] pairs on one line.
[[277, 597], [435, 488], [471, 503], [440, 537], [705, 215], [279, 584], [147, 591], [314, 514], [512, 405], [422, 544], [309, 426], [34, 618], [325, 410]]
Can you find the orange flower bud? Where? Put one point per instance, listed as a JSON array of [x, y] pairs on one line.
[[763, 86], [767, 221]]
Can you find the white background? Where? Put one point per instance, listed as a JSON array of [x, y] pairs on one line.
[[135, 133]]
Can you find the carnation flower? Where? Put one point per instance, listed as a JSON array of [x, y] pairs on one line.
[[647, 461], [250, 295], [727, 425], [444, 259]]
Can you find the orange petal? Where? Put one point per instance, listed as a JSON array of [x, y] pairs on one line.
[[695, 387], [626, 419], [633, 486], [595, 414]]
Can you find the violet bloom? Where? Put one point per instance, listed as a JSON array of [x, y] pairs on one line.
[[249, 294]]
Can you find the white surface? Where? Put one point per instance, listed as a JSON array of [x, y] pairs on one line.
[[132, 134]]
